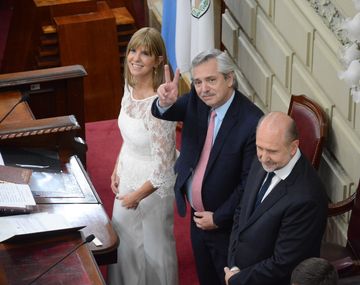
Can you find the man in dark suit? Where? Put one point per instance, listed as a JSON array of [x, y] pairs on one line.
[[269, 239], [218, 193]]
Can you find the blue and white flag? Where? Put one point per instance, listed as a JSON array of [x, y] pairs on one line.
[[202, 26], [191, 23], [168, 29], [183, 34]]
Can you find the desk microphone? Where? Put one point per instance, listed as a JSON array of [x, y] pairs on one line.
[[25, 97], [89, 238]]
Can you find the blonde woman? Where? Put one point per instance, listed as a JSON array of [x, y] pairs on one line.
[[143, 177]]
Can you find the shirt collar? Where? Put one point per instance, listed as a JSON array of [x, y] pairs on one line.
[[221, 111], [284, 172]]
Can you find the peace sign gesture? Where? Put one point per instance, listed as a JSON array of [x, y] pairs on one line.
[[168, 91]]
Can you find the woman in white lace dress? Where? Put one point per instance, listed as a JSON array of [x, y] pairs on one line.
[[143, 176]]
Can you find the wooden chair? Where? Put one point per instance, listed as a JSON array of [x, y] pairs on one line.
[[346, 258], [311, 122]]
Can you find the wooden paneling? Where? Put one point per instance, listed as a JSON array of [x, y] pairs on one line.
[[325, 70], [66, 32], [253, 67], [301, 41], [91, 40], [279, 56], [19, 49], [229, 32], [53, 92]]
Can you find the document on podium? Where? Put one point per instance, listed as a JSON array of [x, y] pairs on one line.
[[38, 224], [15, 195]]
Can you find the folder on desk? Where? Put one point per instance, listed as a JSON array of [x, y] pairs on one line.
[[15, 199], [32, 158], [15, 228], [15, 174]]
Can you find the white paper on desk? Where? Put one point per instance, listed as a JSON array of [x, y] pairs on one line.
[[31, 223], [15, 195]]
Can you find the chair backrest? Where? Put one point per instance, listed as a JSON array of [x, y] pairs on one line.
[[353, 234], [311, 122]]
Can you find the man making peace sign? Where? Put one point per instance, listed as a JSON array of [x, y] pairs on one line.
[[218, 146]]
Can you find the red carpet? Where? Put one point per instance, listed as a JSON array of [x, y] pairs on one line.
[[104, 140]]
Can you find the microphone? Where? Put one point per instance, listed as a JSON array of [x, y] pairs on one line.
[[25, 97], [89, 238]]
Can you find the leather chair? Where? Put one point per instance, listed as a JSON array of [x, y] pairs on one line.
[[311, 122], [346, 258]]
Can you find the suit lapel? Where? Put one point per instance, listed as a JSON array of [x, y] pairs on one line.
[[256, 184], [279, 191], [275, 195]]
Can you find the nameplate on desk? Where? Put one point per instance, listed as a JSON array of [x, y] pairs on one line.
[[16, 228]]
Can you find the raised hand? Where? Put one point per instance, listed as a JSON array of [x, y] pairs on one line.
[[168, 91]]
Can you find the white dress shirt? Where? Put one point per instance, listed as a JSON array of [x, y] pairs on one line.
[[282, 173]]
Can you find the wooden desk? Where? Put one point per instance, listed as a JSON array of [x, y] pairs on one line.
[[84, 209], [24, 261], [82, 206], [21, 113]]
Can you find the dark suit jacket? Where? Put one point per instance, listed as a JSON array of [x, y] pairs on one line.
[[286, 228], [230, 157]]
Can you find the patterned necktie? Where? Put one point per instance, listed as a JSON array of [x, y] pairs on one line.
[[201, 166], [263, 189]]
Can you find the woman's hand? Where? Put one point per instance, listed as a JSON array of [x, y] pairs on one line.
[[130, 200], [115, 181]]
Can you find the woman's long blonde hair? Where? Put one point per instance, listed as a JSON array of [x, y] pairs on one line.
[[151, 40]]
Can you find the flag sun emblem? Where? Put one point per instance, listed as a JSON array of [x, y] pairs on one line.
[[199, 8]]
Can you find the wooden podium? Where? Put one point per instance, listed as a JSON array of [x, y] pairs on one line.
[[52, 92], [90, 40], [67, 191]]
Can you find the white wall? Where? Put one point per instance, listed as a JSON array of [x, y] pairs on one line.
[[285, 47]]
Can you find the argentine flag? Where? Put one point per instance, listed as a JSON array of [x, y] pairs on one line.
[[168, 29], [187, 29]]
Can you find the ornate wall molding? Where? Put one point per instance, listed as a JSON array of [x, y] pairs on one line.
[[331, 17]]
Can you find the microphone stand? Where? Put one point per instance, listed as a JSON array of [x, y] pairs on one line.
[[88, 239], [24, 98]]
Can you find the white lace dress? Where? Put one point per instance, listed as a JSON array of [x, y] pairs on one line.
[[146, 254]]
